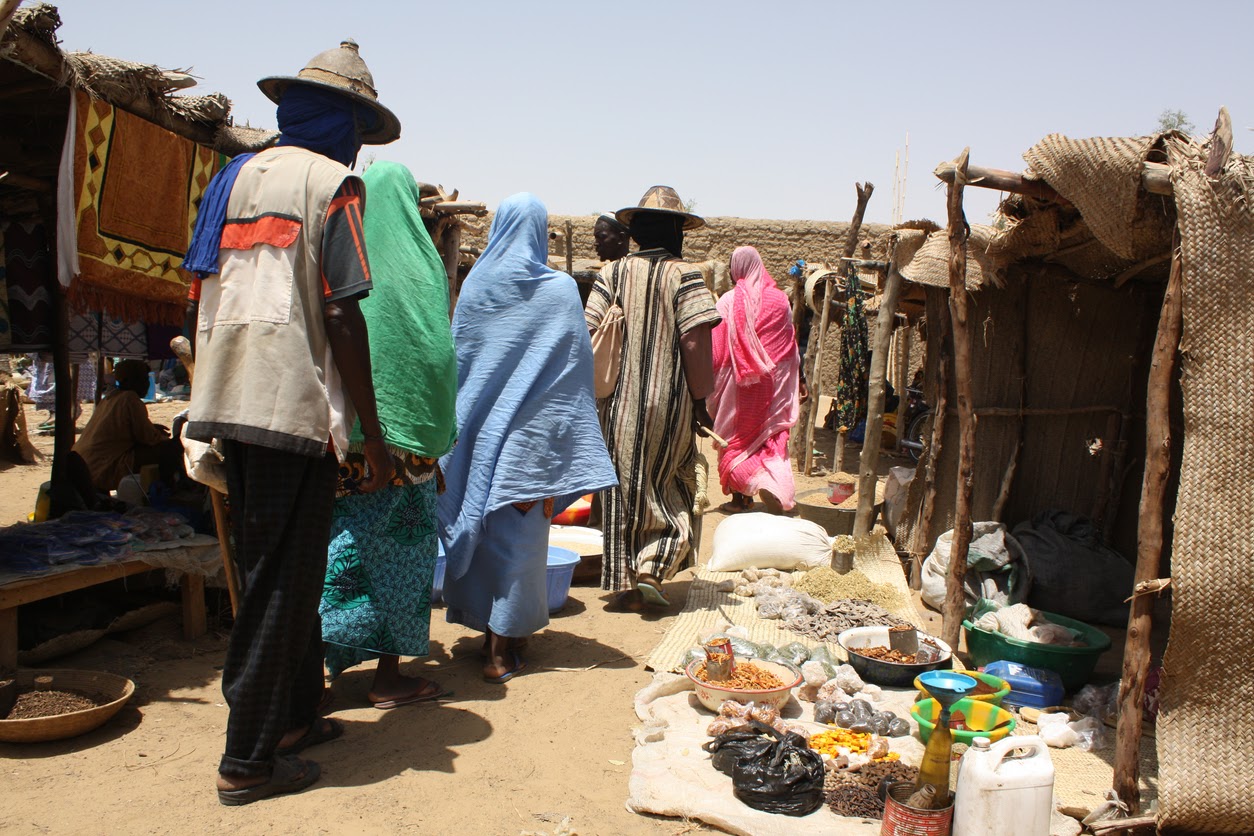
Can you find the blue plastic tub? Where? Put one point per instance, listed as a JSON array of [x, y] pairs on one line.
[[1034, 687], [561, 569], [437, 585]]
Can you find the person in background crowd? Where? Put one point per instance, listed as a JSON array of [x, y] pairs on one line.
[[119, 439], [756, 388], [283, 363], [611, 239], [530, 444], [648, 421], [377, 599]]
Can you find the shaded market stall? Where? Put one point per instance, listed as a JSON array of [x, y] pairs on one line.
[[1112, 261]]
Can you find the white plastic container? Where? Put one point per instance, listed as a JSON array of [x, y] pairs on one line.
[[1004, 789]]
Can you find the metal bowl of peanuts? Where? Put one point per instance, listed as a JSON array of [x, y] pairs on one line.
[[755, 680]]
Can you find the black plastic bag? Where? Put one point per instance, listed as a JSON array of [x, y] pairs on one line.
[[729, 747], [785, 777]]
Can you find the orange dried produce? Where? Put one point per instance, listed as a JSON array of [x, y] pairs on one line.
[[747, 677]]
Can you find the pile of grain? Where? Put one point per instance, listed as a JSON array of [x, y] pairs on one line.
[[827, 585], [32, 704]]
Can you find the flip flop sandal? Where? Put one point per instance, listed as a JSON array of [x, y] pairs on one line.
[[519, 667], [438, 693], [652, 594], [730, 508], [322, 730], [290, 774], [620, 604]]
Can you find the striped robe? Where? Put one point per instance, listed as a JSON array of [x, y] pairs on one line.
[[647, 421]]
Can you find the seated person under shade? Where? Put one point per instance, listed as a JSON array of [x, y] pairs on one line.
[[120, 438]]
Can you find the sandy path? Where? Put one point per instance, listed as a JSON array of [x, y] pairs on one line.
[[496, 760]]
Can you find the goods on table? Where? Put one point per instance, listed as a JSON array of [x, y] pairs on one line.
[[746, 677], [32, 704], [735, 716], [855, 801]]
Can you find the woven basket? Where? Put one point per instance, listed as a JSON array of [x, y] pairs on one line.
[[110, 689]]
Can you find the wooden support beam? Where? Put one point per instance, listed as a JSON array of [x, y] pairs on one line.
[[570, 248], [195, 619], [955, 600], [902, 336], [24, 181], [816, 386], [1155, 179], [1149, 551], [935, 447], [872, 439], [451, 253]]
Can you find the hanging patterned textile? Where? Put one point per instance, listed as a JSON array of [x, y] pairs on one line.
[[854, 363], [136, 188]]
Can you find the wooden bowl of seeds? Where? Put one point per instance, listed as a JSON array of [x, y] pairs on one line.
[[56, 704]]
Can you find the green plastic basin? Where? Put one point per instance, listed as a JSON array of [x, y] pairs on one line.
[[1074, 664]]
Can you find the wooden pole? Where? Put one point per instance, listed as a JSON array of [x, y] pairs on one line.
[[871, 441], [814, 371], [816, 386], [182, 349], [570, 249], [1149, 552], [1155, 179], [955, 600], [935, 446], [62, 495], [902, 335], [451, 243]]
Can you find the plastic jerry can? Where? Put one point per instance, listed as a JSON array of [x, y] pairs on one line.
[[1004, 789]]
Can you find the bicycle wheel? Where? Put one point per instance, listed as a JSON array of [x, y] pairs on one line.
[[918, 434]]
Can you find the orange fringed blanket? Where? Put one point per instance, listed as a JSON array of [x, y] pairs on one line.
[[137, 187]]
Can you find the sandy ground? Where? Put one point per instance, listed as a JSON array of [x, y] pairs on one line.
[[554, 742]]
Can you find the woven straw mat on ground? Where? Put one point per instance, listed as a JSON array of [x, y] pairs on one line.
[[706, 607]]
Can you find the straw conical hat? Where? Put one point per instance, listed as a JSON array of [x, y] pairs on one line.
[[661, 199], [342, 70]]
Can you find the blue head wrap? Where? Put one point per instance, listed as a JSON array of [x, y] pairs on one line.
[[322, 121]]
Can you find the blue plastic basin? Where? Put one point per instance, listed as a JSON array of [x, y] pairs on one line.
[[560, 570]]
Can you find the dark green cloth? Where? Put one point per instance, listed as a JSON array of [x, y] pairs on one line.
[[411, 341], [852, 382]]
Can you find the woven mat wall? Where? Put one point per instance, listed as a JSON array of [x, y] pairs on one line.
[[1205, 737], [707, 607]]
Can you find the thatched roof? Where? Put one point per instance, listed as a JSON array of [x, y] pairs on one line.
[[1104, 227], [148, 91]]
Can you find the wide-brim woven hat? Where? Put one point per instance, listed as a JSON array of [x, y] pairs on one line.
[[662, 200], [342, 70]]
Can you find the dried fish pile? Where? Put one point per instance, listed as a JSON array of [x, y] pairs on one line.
[[854, 792], [830, 621]]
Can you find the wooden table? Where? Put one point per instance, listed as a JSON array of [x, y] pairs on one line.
[[16, 593]]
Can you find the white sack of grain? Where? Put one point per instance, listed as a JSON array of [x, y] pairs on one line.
[[765, 541]]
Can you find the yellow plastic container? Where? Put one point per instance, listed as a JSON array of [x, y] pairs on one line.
[[982, 719]]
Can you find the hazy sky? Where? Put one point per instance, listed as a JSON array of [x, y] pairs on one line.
[[762, 110]]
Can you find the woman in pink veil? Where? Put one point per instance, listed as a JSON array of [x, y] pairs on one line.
[[755, 400]]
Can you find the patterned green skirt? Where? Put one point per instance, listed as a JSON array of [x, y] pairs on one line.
[[377, 597]]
